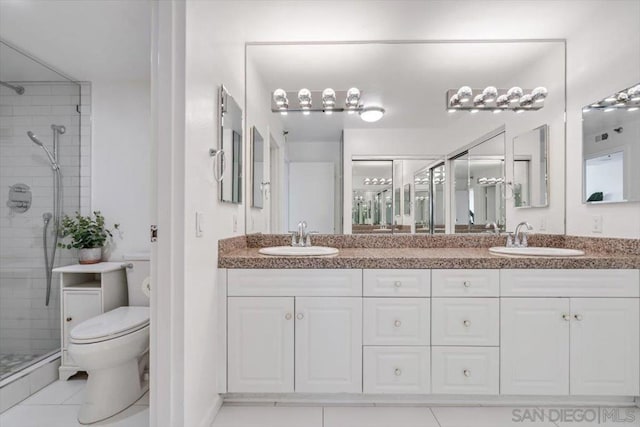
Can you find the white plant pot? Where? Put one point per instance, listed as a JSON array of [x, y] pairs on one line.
[[90, 255]]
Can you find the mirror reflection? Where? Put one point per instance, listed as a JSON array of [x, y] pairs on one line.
[[231, 144], [530, 168], [611, 148], [382, 108], [257, 169]]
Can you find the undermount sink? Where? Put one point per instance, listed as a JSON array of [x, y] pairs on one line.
[[298, 251], [533, 251]]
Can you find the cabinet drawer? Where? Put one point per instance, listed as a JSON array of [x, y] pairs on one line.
[[294, 282], [396, 370], [465, 283], [465, 370], [396, 321], [570, 283], [465, 321], [397, 283]]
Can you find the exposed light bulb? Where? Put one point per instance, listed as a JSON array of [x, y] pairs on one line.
[[280, 97], [353, 97], [526, 100], [304, 97], [328, 98], [464, 94], [489, 94], [514, 94], [478, 101], [539, 94]]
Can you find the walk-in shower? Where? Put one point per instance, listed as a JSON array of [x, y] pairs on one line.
[[40, 158]]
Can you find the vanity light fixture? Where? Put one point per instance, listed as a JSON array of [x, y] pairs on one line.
[[627, 99], [539, 94], [514, 94], [328, 100], [495, 100], [634, 93], [489, 94], [464, 94], [371, 114], [353, 100]]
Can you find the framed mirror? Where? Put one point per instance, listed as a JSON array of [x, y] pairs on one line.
[[611, 148], [257, 169], [531, 168], [230, 121]]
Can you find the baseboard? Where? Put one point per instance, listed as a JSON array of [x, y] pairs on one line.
[[428, 400], [207, 421]]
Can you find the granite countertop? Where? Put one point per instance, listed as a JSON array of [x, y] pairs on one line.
[[441, 257]]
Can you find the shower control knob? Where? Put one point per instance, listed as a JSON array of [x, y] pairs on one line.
[[69, 319]]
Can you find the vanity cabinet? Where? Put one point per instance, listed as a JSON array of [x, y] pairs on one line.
[[584, 340], [308, 341], [443, 332]]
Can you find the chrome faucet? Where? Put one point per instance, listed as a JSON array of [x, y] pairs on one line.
[[302, 237], [496, 229], [521, 242]]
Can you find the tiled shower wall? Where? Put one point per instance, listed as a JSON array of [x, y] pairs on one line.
[[27, 326]]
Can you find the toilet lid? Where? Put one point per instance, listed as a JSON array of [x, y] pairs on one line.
[[111, 324]]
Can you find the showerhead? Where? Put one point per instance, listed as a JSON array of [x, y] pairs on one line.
[[32, 136]]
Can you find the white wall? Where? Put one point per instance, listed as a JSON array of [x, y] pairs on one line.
[[217, 31], [120, 161]]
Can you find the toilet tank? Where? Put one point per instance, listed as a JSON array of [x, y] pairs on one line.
[[138, 275]]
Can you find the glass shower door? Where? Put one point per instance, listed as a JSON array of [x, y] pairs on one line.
[[40, 161]]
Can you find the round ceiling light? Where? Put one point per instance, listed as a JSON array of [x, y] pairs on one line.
[[371, 114]]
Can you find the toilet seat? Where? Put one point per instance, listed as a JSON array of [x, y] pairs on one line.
[[112, 324]]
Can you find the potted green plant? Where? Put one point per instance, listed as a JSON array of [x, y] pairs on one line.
[[88, 234]]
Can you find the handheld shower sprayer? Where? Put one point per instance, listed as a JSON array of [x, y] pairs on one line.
[[33, 137]]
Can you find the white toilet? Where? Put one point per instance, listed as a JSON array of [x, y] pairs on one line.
[[114, 349]]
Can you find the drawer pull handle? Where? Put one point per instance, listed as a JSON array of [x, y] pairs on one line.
[[578, 317], [467, 373], [466, 323], [398, 372], [397, 323], [300, 316], [467, 284], [288, 316], [69, 319], [397, 284], [566, 317]]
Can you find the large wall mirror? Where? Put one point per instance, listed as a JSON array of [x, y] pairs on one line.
[[257, 169], [231, 144], [329, 107], [611, 148]]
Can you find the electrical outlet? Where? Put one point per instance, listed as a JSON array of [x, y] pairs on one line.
[[596, 225], [235, 223], [542, 226]]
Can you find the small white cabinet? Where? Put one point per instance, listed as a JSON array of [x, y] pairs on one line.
[[87, 291]]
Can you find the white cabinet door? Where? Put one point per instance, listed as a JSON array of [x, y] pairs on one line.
[[78, 307], [260, 344], [328, 345], [605, 347], [534, 346]]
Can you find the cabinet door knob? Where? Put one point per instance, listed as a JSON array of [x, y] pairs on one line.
[[566, 317], [288, 316], [300, 316], [69, 319], [398, 372], [578, 317], [466, 323], [397, 323], [467, 373], [397, 284], [466, 284]]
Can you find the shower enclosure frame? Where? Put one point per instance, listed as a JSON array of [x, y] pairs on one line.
[[59, 183]]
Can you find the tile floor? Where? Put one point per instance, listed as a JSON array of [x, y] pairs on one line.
[[57, 406], [276, 415]]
